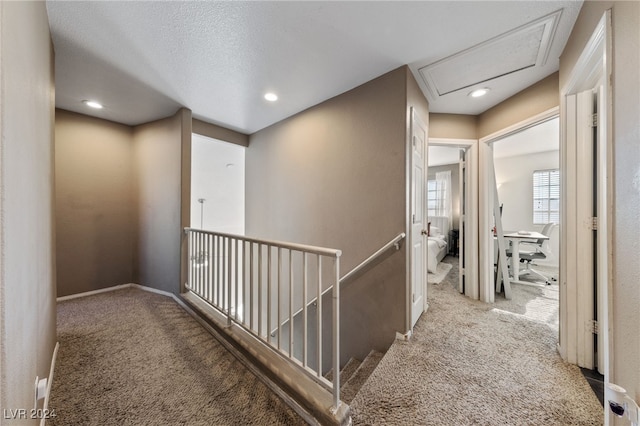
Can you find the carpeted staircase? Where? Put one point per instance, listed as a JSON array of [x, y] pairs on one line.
[[354, 375]]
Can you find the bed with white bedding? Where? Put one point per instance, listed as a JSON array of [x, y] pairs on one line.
[[437, 244]]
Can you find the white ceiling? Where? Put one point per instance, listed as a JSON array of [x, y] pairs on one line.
[[144, 60], [539, 138]]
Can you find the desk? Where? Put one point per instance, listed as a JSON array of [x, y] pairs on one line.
[[515, 239]]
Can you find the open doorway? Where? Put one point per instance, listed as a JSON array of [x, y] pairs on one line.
[[452, 200], [444, 192], [217, 185], [527, 186]]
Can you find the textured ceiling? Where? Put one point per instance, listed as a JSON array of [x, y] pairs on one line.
[[144, 60]]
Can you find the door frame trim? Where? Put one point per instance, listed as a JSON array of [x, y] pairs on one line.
[[593, 71], [486, 195]]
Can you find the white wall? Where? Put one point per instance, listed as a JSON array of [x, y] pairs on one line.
[[514, 176], [27, 277], [217, 175]]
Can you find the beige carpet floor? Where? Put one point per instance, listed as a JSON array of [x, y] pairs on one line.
[[470, 363], [131, 357]]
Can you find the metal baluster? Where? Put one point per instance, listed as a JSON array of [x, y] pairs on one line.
[[190, 245], [319, 316], [290, 303], [259, 290], [336, 333], [251, 286], [268, 293], [199, 254], [305, 320], [229, 277], [219, 262], [207, 269], [237, 278], [278, 317], [211, 248]]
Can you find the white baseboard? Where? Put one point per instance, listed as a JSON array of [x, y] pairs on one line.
[[115, 288], [92, 292], [403, 337], [45, 407], [152, 290]]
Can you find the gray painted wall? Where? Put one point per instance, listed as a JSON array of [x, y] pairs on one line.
[[334, 176], [158, 197], [27, 277], [119, 196], [94, 203]]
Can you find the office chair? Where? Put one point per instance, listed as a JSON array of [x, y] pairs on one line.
[[539, 252]]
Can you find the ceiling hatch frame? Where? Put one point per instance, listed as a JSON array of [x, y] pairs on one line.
[[538, 36]]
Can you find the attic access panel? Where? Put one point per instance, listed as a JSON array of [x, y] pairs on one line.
[[521, 48]]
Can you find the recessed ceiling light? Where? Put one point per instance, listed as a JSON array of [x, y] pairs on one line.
[[479, 92], [93, 104], [271, 97]]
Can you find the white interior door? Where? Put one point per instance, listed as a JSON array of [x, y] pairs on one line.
[[602, 227], [418, 241], [585, 243], [578, 222], [585, 232]]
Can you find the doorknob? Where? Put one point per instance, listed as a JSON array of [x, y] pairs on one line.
[[424, 232]]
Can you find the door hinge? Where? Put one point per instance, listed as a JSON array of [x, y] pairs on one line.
[[593, 224], [594, 120], [593, 326], [413, 298]]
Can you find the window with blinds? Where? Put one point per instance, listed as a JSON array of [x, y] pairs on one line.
[[546, 196], [432, 198], [436, 197]]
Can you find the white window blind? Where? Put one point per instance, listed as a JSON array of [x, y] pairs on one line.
[[546, 196]]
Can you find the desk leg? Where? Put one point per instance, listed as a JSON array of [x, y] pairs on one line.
[[515, 259]]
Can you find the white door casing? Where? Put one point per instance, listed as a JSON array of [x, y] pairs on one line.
[[418, 240], [486, 202], [462, 188], [590, 76]]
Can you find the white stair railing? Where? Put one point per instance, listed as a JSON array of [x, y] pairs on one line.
[[394, 243], [256, 283]]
